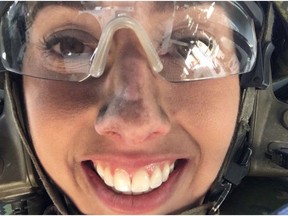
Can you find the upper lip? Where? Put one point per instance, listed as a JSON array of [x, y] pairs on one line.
[[131, 161]]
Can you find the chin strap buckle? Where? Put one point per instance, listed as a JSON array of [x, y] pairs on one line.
[[227, 187]]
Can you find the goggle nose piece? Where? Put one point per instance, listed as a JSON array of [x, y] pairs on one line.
[[100, 55]]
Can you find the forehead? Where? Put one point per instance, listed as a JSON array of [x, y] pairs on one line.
[[149, 7], [35, 6]]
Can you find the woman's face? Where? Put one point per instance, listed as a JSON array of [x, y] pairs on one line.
[[129, 142]]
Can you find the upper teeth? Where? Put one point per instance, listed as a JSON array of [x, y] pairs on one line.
[[143, 180]]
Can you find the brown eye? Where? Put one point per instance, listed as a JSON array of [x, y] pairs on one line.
[[69, 47], [68, 51], [71, 44]]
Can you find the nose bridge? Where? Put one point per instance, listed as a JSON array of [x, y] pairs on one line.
[[129, 72], [132, 80], [132, 113], [99, 57], [127, 47]]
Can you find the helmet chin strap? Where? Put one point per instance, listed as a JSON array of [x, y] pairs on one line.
[[13, 98], [236, 164]]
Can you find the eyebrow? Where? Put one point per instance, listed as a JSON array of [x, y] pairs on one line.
[[35, 6]]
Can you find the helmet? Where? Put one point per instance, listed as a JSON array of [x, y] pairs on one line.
[[259, 145]]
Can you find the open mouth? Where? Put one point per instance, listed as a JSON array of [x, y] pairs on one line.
[[134, 190], [142, 180]]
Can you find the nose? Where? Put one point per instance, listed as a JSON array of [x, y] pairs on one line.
[[133, 113]]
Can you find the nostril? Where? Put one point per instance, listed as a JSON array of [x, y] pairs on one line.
[[113, 134], [154, 135], [107, 128]]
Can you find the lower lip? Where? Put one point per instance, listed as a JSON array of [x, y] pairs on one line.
[[133, 204]]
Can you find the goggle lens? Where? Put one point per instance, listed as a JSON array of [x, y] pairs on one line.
[[183, 41]]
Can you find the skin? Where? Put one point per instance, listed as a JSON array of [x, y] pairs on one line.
[[130, 114]]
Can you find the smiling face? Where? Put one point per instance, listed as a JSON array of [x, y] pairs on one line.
[[129, 142]]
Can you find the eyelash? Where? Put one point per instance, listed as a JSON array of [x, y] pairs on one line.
[[49, 43], [75, 37]]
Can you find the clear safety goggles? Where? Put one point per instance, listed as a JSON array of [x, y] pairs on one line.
[[180, 41]]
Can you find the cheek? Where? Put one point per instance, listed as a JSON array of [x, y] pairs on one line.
[[208, 112], [207, 107], [59, 116]]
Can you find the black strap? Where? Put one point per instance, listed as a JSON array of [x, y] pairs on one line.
[[236, 164]]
